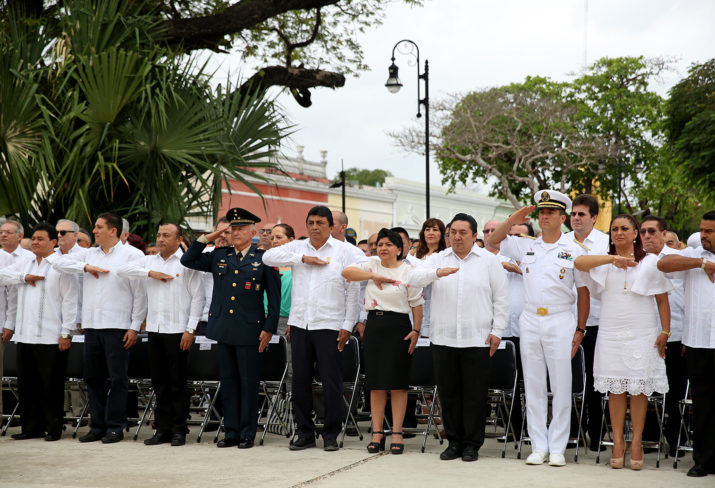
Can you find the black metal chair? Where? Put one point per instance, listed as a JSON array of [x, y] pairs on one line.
[[503, 384], [424, 385], [139, 374], [203, 380], [578, 392], [274, 390], [74, 379], [9, 381], [686, 427]]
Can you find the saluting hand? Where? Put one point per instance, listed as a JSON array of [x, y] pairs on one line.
[[31, 279], [158, 275], [511, 267], [522, 215], [624, 262], [263, 340], [381, 280], [442, 272], [313, 260], [95, 270]]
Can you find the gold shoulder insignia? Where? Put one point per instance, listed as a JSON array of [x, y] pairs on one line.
[[581, 244], [527, 236]]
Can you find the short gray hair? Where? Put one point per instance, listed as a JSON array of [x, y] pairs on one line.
[[125, 226], [18, 225], [73, 225]]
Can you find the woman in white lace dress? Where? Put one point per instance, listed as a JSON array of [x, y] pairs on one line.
[[630, 348]]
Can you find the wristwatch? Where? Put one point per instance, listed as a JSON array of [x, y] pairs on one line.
[[705, 263], [190, 330], [65, 336], [583, 331]]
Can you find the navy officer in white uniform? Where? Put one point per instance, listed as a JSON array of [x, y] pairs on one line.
[[550, 334]]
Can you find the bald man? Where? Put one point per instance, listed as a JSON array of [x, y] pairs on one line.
[[341, 223]]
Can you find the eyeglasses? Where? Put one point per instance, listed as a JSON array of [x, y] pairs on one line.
[[264, 231], [579, 214], [65, 232], [487, 231], [649, 230]]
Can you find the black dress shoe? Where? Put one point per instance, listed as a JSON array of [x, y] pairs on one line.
[[697, 471], [112, 437], [596, 447], [91, 437], [302, 443], [330, 445], [23, 436], [157, 439], [470, 454], [453, 451], [227, 442], [245, 443], [53, 437], [178, 440]]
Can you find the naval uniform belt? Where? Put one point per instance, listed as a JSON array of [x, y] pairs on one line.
[[550, 310]]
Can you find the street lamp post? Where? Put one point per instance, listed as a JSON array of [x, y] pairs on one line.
[[393, 84]]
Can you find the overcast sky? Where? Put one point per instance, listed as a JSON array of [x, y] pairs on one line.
[[472, 44]]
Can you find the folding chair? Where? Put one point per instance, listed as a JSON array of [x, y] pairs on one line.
[[657, 401], [273, 388], [74, 379], [503, 384], [140, 379], [578, 392], [203, 380], [351, 384], [423, 384], [686, 427], [9, 380]]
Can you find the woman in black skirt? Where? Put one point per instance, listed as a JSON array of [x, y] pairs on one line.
[[390, 337]]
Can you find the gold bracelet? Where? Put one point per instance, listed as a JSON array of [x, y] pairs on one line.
[[666, 332]]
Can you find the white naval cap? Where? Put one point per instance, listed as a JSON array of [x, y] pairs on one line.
[[552, 199]]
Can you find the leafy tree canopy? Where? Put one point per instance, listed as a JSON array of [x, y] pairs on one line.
[[367, 177]]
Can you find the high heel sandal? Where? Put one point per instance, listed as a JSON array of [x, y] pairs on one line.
[[395, 447], [636, 464], [618, 462], [375, 447]]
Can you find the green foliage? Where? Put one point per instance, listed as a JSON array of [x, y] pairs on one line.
[[100, 119], [690, 125], [367, 177]]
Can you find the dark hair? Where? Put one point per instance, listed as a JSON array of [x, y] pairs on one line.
[[364, 241], [221, 220], [113, 221], [289, 232], [321, 211], [529, 228], [709, 215], [394, 238], [638, 251], [136, 241], [466, 218], [179, 233], [588, 201], [50, 229], [479, 241], [422, 248], [402, 231], [654, 218]]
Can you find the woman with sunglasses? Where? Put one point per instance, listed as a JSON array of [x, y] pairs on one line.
[[630, 348], [431, 241]]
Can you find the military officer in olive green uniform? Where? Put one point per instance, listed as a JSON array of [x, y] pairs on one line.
[[237, 320]]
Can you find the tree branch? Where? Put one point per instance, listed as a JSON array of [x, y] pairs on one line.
[[299, 80]]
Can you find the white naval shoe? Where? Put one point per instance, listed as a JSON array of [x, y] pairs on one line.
[[536, 458], [557, 459]]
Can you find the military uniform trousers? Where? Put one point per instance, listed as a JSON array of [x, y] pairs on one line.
[[168, 363], [41, 386], [546, 343], [239, 369]]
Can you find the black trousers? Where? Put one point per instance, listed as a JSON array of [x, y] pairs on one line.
[[462, 382], [308, 346], [701, 372], [239, 369], [105, 372], [591, 421], [676, 370], [516, 416], [167, 363], [41, 387]]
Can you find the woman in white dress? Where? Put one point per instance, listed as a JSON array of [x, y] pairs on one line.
[[630, 348]]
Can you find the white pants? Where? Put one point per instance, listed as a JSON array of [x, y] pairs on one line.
[[546, 344]]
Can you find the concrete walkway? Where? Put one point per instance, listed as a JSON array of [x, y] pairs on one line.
[[130, 463]]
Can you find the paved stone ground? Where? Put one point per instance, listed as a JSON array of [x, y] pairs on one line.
[[35, 463]]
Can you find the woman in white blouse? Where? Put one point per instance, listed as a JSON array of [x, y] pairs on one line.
[[389, 338], [630, 348]]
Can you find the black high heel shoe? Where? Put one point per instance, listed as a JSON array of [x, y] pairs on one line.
[[395, 447], [375, 447]]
